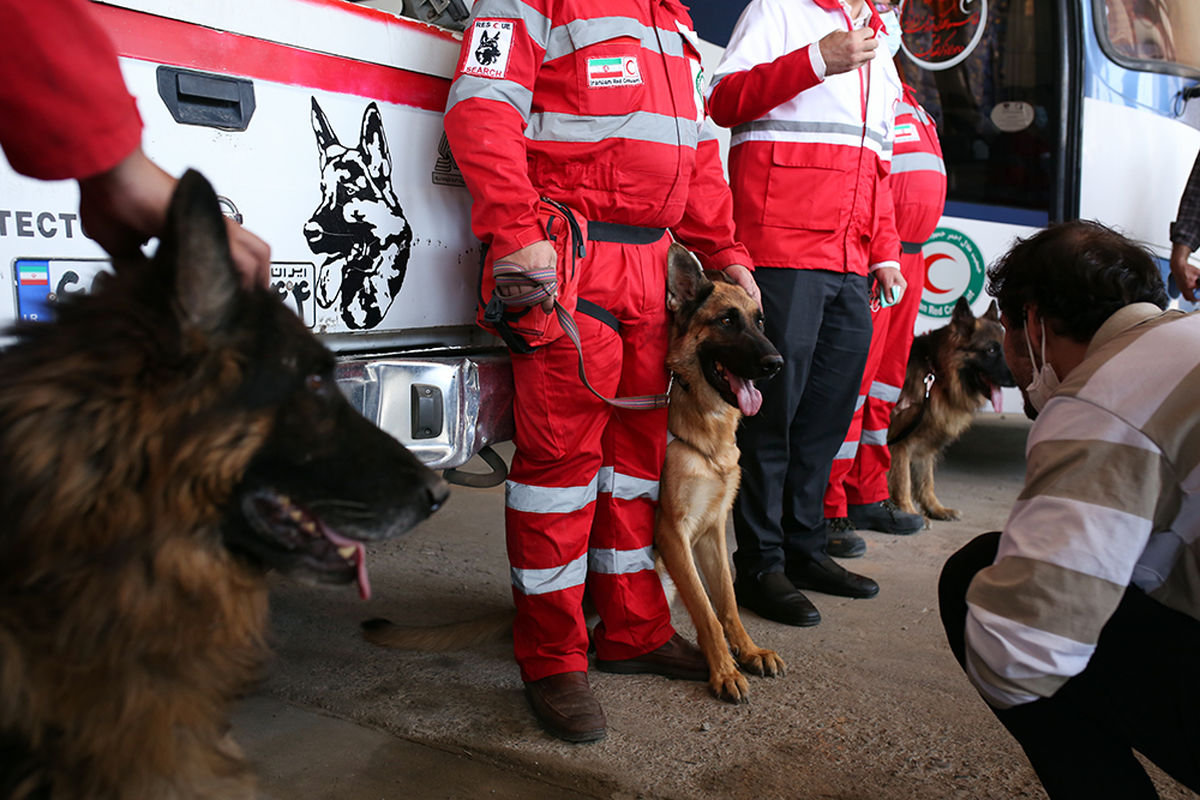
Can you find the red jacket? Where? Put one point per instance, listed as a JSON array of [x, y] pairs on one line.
[[64, 108], [809, 155], [596, 105], [918, 177]]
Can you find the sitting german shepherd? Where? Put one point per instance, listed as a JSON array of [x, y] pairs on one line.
[[966, 361], [162, 443], [717, 352]]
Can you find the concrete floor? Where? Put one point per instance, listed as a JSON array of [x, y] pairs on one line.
[[873, 706]]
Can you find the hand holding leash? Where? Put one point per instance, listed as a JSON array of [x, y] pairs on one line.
[[527, 277]]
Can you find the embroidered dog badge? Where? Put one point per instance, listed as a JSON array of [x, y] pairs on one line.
[[491, 43]]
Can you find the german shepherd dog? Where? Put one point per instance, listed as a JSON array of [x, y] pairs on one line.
[[359, 225], [966, 361], [162, 443], [717, 351]]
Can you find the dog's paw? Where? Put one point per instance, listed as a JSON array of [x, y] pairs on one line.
[[729, 685], [942, 513], [764, 663]]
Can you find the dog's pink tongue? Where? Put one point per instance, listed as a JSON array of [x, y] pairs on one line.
[[997, 399], [748, 397], [360, 560]]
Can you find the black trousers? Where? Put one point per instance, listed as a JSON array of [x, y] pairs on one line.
[[1140, 691], [821, 323]]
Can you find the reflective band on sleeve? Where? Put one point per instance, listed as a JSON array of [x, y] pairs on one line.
[[554, 579], [535, 23], [917, 162], [620, 562], [548, 499], [470, 87], [883, 391], [626, 487]]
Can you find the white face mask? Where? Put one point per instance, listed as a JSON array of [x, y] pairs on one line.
[[891, 39], [1045, 380]]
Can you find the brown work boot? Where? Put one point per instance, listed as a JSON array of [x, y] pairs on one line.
[[678, 658], [566, 708]]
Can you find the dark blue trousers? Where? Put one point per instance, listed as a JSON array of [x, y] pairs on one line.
[[821, 323]]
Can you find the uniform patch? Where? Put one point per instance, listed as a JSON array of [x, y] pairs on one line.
[[613, 71], [906, 132], [491, 43]]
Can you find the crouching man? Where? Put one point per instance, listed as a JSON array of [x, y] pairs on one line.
[[1079, 624]]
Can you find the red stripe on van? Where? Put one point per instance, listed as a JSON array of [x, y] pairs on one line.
[[182, 44]]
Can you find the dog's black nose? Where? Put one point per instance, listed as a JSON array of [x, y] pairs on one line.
[[438, 492], [771, 364]]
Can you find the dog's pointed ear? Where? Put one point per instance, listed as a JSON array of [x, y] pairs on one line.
[[685, 279], [962, 318], [993, 312], [374, 144], [195, 246], [326, 138]]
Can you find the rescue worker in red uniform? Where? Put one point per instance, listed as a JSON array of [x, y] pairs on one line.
[[857, 497], [65, 113], [810, 98], [596, 106]]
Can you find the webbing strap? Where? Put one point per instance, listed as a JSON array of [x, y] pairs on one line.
[[509, 274]]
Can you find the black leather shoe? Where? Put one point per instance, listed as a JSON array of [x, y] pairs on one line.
[[840, 539], [823, 574], [885, 517], [566, 708], [678, 658], [772, 596]]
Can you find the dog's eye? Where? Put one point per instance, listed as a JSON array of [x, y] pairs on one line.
[[729, 318], [315, 383]]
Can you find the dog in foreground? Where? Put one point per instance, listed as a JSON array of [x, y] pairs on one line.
[[717, 351], [162, 444], [966, 361]]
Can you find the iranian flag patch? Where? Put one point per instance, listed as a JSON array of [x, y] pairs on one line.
[[613, 71]]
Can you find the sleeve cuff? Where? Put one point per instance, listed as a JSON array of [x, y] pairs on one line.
[[817, 60]]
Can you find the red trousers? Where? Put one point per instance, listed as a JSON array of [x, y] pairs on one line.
[[859, 474], [583, 489]]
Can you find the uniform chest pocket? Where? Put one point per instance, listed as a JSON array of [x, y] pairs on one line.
[[609, 62], [805, 190]]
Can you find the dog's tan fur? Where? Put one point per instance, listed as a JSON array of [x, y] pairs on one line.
[[699, 482], [966, 360]]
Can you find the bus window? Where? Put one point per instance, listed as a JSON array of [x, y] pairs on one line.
[[989, 71], [1152, 34]]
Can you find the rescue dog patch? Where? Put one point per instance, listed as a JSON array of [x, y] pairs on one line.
[[491, 43], [613, 71]]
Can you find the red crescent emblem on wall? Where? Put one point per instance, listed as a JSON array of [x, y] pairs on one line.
[[929, 262]]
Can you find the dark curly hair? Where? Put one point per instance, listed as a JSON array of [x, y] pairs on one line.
[[1077, 274]]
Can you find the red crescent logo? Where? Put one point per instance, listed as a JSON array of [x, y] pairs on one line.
[[929, 262]]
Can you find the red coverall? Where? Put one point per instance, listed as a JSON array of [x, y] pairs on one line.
[[918, 182], [64, 108], [597, 106]]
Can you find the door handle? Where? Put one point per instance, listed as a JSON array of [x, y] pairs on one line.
[[201, 98]]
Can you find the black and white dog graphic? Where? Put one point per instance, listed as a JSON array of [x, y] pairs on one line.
[[359, 225]]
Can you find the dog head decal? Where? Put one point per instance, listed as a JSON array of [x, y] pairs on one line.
[[359, 225], [717, 335]]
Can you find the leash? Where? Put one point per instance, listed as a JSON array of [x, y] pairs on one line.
[[546, 287], [912, 426]]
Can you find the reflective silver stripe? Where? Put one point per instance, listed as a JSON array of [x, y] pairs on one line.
[[626, 487], [918, 112], [878, 437], [798, 129], [548, 499], [469, 86], [847, 451], [707, 132], [640, 126], [884, 391], [860, 401], [620, 562], [554, 579], [537, 25], [580, 33], [914, 162]]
